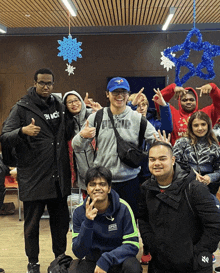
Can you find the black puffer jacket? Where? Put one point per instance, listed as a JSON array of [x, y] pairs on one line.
[[42, 159], [177, 235]]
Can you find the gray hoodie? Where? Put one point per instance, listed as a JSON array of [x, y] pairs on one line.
[[83, 158], [128, 126]]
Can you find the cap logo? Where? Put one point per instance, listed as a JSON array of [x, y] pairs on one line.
[[119, 81]]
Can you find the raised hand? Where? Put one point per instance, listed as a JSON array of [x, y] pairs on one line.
[[179, 92], [158, 97], [88, 132], [91, 212], [139, 97], [31, 129], [205, 89], [95, 106], [162, 137], [88, 101]]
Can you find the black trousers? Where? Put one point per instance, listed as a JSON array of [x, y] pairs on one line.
[[59, 225], [130, 265]]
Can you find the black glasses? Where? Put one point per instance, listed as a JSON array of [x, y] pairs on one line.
[[48, 84], [116, 93]]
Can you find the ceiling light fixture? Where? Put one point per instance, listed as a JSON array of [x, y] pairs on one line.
[[70, 6], [3, 29], [170, 16]]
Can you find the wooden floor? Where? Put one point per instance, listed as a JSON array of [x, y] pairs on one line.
[[12, 254]]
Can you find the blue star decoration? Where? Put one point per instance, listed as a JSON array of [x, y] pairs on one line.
[[69, 49], [209, 51]]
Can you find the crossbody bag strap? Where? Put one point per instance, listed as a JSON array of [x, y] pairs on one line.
[[112, 121]]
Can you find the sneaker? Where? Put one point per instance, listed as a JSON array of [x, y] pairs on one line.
[[33, 268], [217, 269], [145, 259], [213, 258], [2, 270]]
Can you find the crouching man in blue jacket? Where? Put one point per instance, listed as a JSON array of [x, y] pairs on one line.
[[105, 236]]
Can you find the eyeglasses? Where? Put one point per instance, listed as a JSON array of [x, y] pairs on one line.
[[185, 100], [116, 93], [101, 184], [72, 102], [48, 84]]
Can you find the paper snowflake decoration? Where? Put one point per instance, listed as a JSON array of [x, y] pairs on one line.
[[70, 69], [69, 49], [166, 62]]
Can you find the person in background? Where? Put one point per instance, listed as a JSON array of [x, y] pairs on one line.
[[76, 115], [188, 104], [36, 128], [105, 237], [178, 217], [200, 149]]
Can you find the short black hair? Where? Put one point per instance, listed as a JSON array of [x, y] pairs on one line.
[[98, 172], [43, 71], [159, 143]]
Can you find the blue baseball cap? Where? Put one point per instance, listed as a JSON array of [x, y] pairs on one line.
[[116, 83]]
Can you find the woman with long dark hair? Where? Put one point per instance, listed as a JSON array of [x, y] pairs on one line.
[[200, 149]]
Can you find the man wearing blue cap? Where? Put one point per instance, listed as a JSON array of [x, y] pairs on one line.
[[127, 122]]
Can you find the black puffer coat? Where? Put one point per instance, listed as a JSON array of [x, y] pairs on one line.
[[42, 159], [176, 234]]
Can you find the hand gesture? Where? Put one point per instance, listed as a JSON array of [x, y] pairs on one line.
[[31, 129], [203, 179], [163, 137], [95, 106], [91, 212], [205, 89], [139, 97], [158, 97], [99, 270], [13, 172], [179, 92], [88, 101], [88, 132]]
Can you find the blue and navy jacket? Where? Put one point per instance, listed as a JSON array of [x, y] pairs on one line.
[[110, 238]]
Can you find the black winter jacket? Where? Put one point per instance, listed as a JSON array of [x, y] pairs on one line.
[[176, 234], [42, 159]]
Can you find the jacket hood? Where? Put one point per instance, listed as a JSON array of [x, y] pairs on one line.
[[80, 117], [182, 112], [114, 206], [183, 175]]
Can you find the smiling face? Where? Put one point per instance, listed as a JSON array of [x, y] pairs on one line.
[[118, 98], [142, 108], [161, 163], [188, 102], [98, 189], [73, 104], [199, 127]]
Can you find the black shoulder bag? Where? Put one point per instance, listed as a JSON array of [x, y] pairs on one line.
[[128, 152]]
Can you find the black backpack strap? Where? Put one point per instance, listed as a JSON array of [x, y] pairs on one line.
[[97, 124], [189, 199], [143, 126]]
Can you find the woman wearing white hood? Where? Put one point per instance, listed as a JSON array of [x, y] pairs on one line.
[[76, 116]]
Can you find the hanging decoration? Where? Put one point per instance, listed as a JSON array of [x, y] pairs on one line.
[[209, 51], [69, 50], [166, 62]]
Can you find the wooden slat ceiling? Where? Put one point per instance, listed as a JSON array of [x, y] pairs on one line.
[[52, 13]]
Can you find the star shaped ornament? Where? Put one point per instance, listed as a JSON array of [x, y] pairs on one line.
[[70, 69], [167, 63]]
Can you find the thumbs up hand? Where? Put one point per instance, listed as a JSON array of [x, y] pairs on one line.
[[31, 129], [88, 132]]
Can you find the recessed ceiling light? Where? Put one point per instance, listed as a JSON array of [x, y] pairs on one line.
[[28, 15]]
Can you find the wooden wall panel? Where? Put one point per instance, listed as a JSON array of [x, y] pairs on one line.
[[102, 56]]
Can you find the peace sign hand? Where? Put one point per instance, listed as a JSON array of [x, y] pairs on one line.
[[91, 212]]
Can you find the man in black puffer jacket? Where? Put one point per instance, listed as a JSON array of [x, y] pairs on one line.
[[35, 127], [178, 218]]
